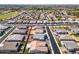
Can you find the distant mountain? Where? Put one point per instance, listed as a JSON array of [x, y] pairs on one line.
[[6, 6]]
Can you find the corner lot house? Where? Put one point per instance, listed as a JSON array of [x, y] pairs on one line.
[[20, 31], [65, 38], [10, 47], [71, 45], [15, 38], [61, 31]]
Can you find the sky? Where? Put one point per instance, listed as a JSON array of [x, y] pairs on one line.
[[39, 2]]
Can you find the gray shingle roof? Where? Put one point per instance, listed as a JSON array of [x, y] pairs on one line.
[[61, 31], [39, 36], [15, 38], [65, 38], [19, 31], [71, 45], [9, 46]]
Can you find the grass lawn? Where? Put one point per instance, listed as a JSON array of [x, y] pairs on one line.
[[23, 49], [61, 27], [77, 37], [49, 18], [8, 15], [59, 17]]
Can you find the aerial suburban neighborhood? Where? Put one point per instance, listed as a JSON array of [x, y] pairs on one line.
[[39, 29]]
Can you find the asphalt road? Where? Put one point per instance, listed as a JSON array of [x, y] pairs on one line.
[[53, 43], [5, 35]]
